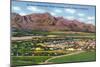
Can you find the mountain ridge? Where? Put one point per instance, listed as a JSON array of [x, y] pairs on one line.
[[47, 22]]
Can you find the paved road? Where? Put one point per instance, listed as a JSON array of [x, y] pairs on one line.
[[24, 38], [31, 37]]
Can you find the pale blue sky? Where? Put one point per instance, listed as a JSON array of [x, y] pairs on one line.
[[80, 12]]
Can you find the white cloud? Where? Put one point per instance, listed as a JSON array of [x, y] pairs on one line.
[[72, 11], [70, 17], [22, 14], [91, 18], [81, 14], [35, 9], [32, 8], [90, 22], [81, 19], [52, 13], [57, 10], [16, 8]]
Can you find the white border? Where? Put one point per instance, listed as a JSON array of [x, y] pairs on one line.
[[5, 33]]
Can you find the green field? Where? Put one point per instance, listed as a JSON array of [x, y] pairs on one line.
[[33, 60], [28, 60], [85, 56], [65, 33]]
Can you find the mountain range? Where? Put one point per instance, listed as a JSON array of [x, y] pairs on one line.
[[47, 22]]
